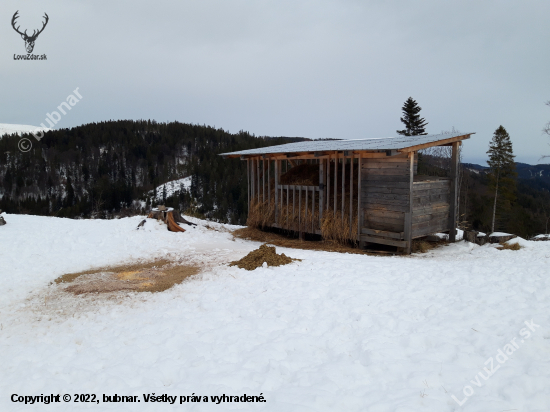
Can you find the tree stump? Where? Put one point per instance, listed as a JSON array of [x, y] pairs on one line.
[[167, 216]]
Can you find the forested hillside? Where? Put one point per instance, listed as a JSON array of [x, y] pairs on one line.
[[99, 169], [104, 169], [527, 215]]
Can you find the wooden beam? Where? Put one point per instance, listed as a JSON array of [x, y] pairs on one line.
[[383, 233], [437, 143], [384, 241], [454, 192]]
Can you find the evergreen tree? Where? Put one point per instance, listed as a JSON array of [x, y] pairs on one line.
[[502, 170], [414, 124]]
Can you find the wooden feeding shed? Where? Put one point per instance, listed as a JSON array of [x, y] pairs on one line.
[[365, 190]]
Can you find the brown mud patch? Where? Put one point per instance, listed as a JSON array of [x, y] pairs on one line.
[[155, 276], [264, 253]]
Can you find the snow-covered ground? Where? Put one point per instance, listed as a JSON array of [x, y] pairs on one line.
[[18, 129], [334, 332]]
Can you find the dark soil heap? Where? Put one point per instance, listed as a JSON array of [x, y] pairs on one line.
[[257, 257]]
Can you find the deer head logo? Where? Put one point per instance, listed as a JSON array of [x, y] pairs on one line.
[[29, 40]]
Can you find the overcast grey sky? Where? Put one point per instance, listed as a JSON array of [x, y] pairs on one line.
[[339, 69]]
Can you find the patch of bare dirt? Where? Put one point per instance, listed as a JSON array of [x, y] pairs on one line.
[[155, 276], [264, 253]]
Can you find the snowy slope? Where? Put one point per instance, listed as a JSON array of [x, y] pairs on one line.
[[172, 187], [334, 332], [18, 129]]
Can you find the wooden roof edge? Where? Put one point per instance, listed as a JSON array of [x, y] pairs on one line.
[[442, 142]]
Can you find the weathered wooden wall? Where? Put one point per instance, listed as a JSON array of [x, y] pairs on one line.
[[385, 187], [431, 206]]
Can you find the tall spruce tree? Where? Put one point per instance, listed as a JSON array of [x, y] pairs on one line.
[[502, 171], [414, 124]]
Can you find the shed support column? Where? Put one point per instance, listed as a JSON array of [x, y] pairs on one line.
[[454, 192], [360, 213], [253, 180], [248, 182], [351, 159], [269, 181], [328, 183], [343, 185], [408, 214], [335, 183], [321, 190], [276, 190], [263, 177]]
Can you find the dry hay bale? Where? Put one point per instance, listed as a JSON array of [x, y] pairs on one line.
[[304, 174], [257, 257]]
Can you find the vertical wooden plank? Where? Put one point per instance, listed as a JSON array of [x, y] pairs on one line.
[[259, 179], [300, 212], [293, 204], [248, 182], [321, 189], [287, 208], [252, 179], [312, 209], [343, 184], [454, 192], [360, 212], [269, 181], [335, 182], [351, 159], [263, 176], [276, 164], [305, 214], [328, 183], [408, 215]]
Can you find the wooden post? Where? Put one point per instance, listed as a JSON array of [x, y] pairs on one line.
[[293, 205], [248, 182], [258, 172], [287, 209], [300, 212], [276, 190], [328, 182], [321, 189], [269, 181], [313, 209], [305, 214], [263, 176], [253, 180], [408, 215], [335, 182], [454, 192], [351, 159], [343, 185], [360, 213]]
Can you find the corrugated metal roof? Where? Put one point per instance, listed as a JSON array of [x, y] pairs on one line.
[[383, 143]]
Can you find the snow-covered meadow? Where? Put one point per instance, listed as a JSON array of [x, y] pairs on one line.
[[334, 332]]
